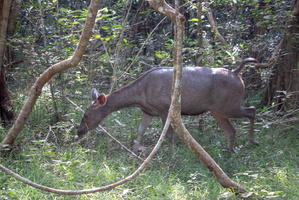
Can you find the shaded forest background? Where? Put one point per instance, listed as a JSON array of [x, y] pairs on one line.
[[130, 38]]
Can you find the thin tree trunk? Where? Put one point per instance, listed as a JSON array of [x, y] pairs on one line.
[[37, 87], [175, 110], [117, 55], [199, 33], [6, 107], [7, 113], [212, 21], [259, 30]]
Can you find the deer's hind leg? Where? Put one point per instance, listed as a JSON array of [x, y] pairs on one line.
[[228, 129], [249, 112]]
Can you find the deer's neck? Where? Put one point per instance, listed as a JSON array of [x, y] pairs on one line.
[[123, 98]]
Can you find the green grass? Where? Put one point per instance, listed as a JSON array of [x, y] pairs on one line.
[[270, 170]]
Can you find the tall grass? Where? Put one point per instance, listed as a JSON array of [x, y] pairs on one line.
[[53, 158]]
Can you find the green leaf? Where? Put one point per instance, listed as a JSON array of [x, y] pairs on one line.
[[64, 10], [105, 38], [104, 9], [117, 26], [242, 46], [193, 20], [265, 108]]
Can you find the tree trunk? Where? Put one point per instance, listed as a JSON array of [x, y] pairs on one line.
[[7, 113], [283, 88], [175, 110], [258, 30], [9, 11], [199, 33]]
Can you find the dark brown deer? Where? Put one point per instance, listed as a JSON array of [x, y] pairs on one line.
[[217, 90]]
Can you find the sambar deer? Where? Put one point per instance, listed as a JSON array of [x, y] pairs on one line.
[[217, 90]]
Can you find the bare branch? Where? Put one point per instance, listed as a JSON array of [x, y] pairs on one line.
[[118, 142], [103, 188], [74, 104], [163, 8], [141, 48], [175, 107], [211, 20], [107, 133]]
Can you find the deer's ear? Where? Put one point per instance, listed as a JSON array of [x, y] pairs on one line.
[[100, 101], [94, 94]]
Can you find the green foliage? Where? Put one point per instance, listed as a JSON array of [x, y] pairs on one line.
[[269, 170], [48, 32]]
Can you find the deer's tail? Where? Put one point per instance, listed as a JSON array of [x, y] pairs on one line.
[[239, 69]]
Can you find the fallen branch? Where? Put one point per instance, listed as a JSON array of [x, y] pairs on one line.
[[50, 130], [107, 133], [103, 188], [74, 104], [118, 142]]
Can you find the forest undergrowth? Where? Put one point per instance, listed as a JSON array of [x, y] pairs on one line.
[[49, 155], [120, 50]]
